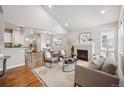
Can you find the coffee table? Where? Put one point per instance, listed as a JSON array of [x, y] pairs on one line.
[[67, 63]]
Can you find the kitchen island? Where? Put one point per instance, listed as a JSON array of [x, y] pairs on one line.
[[17, 57]]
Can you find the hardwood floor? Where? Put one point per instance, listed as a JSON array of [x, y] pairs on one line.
[[23, 76]]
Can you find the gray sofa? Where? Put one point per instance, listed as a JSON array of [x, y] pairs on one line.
[[86, 76]]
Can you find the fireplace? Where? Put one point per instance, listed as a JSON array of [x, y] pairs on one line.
[[82, 54]]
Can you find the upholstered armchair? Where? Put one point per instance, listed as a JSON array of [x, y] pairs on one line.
[[49, 58], [63, 54]]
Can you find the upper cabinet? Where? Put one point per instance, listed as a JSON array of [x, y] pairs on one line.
[[13, 36]]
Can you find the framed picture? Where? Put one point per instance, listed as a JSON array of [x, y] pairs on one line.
[[84, 37], [60, 43], [48, 42], [57, 42]]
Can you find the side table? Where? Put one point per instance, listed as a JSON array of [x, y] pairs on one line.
[[4, 58]]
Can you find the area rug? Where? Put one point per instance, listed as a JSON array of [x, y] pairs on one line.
[[54, 77]]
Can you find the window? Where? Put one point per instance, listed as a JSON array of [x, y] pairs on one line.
[[107, 40]]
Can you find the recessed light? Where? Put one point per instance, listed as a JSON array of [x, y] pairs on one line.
[[102, 12], [31, 32], [21, 25], [17, 28], [27, 39], [66, 24], [50, 6], [1, 55]]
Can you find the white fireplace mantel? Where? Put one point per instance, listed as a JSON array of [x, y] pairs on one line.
[[86, 46]]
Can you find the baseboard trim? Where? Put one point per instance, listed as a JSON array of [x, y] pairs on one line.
[[10, 67]]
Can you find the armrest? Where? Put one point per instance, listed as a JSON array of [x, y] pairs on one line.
[[85, 76]]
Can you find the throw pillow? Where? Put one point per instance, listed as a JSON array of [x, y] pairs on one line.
[[109, 66], [96, 63], [48, 55], [111, 60]]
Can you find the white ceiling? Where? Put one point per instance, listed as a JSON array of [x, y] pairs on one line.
[[82, 16]]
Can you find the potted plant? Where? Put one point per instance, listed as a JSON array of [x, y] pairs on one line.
[[19, 45], [33, 46], [72, 51]]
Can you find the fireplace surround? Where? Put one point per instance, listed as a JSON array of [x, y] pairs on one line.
[[82, 54], [85, 49]]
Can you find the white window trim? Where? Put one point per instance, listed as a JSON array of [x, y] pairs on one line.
[[103, 48]]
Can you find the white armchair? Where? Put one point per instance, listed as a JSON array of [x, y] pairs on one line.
[[48, 58]]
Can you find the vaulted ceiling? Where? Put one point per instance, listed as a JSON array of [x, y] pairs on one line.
[[74, 17]]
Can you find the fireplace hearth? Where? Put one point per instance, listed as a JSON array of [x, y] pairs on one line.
[[82, 54]]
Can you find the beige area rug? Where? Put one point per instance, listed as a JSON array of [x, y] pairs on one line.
[[55, 77]]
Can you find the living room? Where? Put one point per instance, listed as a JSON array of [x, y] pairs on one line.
[[53, 46]]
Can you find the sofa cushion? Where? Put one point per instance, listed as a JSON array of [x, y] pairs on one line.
[[96, 63], [48, 55], [109, 66]]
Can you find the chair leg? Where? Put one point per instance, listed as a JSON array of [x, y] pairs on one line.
[[75, 84], [50, 64], [44, 64]]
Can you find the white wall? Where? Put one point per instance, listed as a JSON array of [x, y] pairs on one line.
[[1, 33], [44, 38], [1, 25], [121, 41], [64, 42], [32, 16], [95, 34]]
